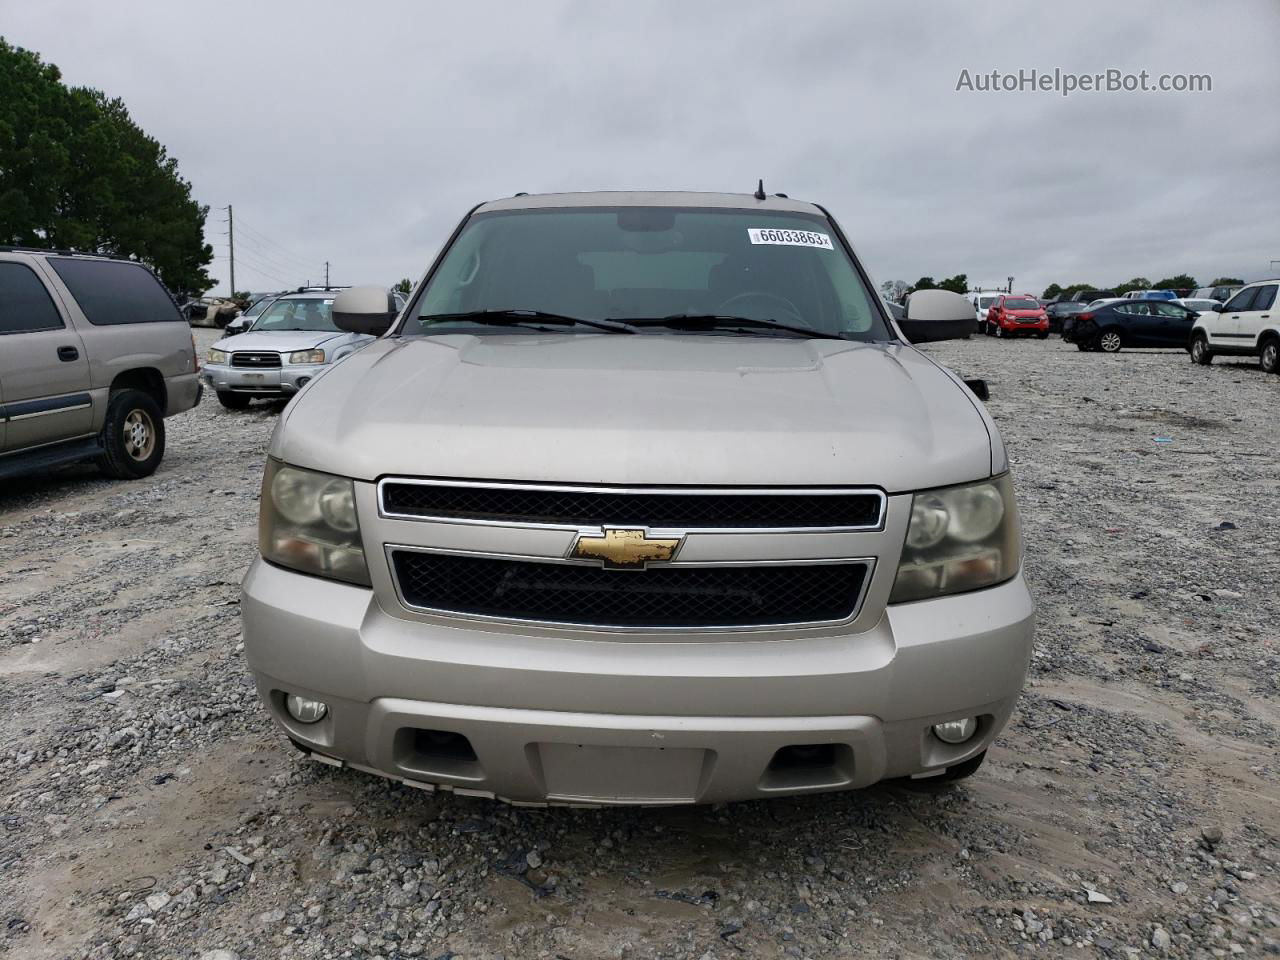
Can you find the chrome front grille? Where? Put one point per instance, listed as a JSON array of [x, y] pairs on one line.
[[661, 598], [256, 361], [686, 508], [634, 559]]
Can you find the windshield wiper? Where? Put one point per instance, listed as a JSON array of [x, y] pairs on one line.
[[713, 321], [508, 318]]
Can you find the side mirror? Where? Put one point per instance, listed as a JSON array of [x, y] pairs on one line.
[[937, 315], [1217, 307], [367, 310]]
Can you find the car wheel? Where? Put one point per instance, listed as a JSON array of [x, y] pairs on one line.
[[1043, 335], [132, 436], [233, 401], [999, 331], [1270, 356], [965, 768], [1109, 342], [1200, 352]]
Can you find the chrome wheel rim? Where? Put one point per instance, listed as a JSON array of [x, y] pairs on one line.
[[1111, 342], [1269, 356], [139, 434]]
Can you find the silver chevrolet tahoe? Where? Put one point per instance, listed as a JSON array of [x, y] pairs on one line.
[[94, 354], [642, 499]]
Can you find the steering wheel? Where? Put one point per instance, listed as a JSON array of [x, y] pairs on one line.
[[794, 314]]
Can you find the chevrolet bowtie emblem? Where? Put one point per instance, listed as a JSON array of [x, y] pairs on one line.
[[620, 549]]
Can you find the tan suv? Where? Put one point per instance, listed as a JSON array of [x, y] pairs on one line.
[[93, 356], [644, 498]]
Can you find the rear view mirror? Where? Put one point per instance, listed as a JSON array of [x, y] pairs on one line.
[[937, 315], [1217, 307], [367, 310]]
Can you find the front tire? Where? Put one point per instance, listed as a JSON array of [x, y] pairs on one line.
[[1270, 356], [999, 332], [234, 401], [1200, 352], [132, 436], [1109, 341], [1043, 335]]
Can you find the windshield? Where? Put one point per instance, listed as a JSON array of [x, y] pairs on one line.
[[632, 263], [985, 302], [257, 308], [1070, 307], [1021, 303], [296, 313]]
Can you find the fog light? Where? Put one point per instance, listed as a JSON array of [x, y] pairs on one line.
[[304, 710], [953, 731]]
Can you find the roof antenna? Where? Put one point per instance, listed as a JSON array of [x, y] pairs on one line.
[[759, 194]]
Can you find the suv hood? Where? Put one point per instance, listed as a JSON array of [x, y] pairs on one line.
[[644, 409], [281, 341]]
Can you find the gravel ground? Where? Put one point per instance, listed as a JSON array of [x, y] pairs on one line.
[[1131, 808]]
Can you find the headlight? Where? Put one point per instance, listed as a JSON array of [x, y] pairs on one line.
[[958, 539], [307, 356], [308, 523], [217, 356]]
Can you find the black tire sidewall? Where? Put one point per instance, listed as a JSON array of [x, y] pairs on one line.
[[115, 460], [1203, 343], [1262, 356]]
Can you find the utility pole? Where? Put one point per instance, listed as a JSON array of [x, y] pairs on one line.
[[326, 274], [1010, 290], [231, 244]]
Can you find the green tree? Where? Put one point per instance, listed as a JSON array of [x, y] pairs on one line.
[[1051, 291], [925, 283], [405, 286], [1180, 282], [1137, 283], [1067, 291], [957, 284], [77, 173], [1226, 282]]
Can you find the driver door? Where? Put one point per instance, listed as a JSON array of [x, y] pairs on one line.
[[1228, 332]]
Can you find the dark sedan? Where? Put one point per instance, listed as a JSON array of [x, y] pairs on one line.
[[1110, 327], [1059, 310]]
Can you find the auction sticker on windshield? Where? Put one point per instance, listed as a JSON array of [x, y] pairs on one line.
[[790, 238]]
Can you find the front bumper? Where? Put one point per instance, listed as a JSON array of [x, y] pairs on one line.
[[567, 720], [278, 381], [1018, 326]]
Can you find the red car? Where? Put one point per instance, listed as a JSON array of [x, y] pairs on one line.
[[1016, 316]]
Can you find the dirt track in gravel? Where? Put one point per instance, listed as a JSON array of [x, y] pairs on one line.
[[133, 752]]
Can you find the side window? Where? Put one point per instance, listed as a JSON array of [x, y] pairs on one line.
[[25, 305], [1265, 297], [112, 292], [1240, 301]]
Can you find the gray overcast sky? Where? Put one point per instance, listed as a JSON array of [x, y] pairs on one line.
[[361, 132]]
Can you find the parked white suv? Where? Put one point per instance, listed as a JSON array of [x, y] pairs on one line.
[[1248, 323]]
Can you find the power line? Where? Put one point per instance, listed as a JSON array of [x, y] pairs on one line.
[[272, 260], [284, 252]]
